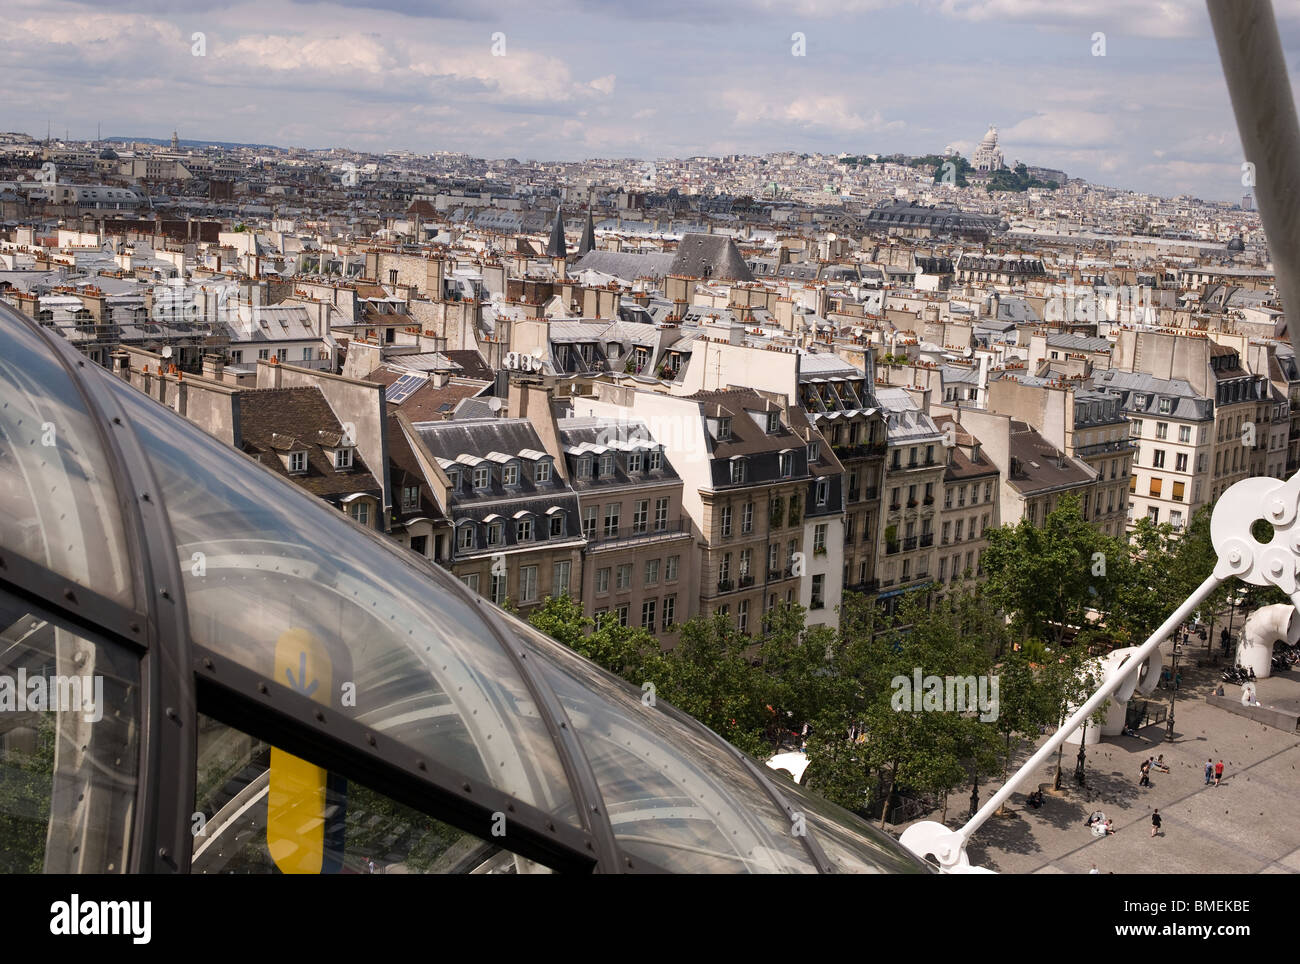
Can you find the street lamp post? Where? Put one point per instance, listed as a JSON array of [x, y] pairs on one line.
[[1173, 694], [1082, 757]]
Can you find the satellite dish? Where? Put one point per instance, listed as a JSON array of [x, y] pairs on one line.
[[537, 353], [495, 404], [167, 352]]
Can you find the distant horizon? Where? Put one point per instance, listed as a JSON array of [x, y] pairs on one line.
[[207, 142]]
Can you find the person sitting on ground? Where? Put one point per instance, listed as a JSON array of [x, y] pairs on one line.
[[1160, 764], [1035, 799], [1095, 817]]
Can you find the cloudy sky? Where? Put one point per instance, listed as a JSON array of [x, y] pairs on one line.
[[648, 78]]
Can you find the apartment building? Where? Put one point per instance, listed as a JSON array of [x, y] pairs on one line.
[[1085, 423], [640, 557], [514, 517], [1214, 370], [971, 498], [746, 474], [912, 483], [1034, 474], [841, 405], [1173, 429]]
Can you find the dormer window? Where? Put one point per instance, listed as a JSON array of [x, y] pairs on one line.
[[634, 462], [656, 460], [482, 475], [724, 430], [557, 524], [495, 533], [787, 464], [465, 536], [542, 471], [342, 458], [524, 530], [814, 451], [297, 463], [607, 465], [739, 470], [1165, 405], [453, 479], [510, 473], [584, 467], [1140, 400], [773, 422], [410, 498]]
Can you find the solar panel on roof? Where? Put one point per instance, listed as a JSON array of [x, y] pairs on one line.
[[401, 389]]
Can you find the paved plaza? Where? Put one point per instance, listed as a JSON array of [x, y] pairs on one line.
[[1249, 824]]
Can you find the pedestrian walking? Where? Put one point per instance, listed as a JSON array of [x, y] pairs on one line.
[[1209, 771], [1218, 772], [1146, 773], [1155, 822]]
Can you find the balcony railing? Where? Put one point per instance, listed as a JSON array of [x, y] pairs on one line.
[[853, 495], [927, 540], [633, 533], [891, 548], [1098, 448], [725, 585], [909, 543], [817, 604], [746, 581], [928, 500]]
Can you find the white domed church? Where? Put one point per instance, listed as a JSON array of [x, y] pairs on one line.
[[987, 156]]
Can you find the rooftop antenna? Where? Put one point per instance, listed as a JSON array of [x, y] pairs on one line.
[[1256, 73]]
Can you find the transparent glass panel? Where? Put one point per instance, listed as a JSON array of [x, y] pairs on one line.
[[851, 844], [265, 812], [287, 586], [58, 505], [674, 792], [69, 747]]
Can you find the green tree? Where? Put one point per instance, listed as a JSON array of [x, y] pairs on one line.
[[1048, 579], [1023, 705], [1068, 679], [1140, 579], [626, 651], [26, 786]]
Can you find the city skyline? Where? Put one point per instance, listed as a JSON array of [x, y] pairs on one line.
[[614, 81]]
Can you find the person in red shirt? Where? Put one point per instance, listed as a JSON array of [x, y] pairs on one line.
[[1218, 772]]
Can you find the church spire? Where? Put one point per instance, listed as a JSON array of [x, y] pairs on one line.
[[556, 248], [588, 242]]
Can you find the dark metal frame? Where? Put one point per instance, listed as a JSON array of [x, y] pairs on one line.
[[297, 724], [180, 678]]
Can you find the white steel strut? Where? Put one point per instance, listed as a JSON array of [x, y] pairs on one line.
[[1240, 554]]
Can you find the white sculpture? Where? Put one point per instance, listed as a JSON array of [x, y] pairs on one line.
[[1265, 627], [1118, 663]]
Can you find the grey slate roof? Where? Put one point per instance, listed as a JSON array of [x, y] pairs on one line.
[[710, 256], [1186, 403], [626, 265]]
